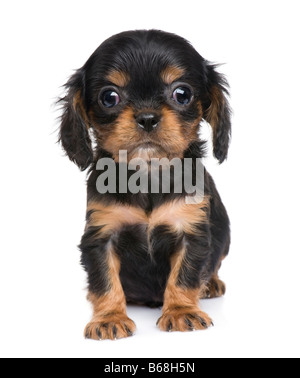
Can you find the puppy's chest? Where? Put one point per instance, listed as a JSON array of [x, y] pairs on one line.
[[127, 225], [144, 241]]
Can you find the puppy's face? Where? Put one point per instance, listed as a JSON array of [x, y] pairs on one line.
[[148, 111], [145, 92]]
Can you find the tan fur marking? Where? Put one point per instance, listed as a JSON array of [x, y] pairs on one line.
[[123, 135], [181, 217], [78, 106], [77, 99], [170, 134], [171, 74], [170, 139], [180, 310], [175, 295], [114, 300], [217, 101], [118, 78], [200, 108], [178, 215], [110, 319], [113, 217], [167, 141]]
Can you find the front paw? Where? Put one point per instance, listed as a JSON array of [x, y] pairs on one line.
[[112, 327], [184, 319]]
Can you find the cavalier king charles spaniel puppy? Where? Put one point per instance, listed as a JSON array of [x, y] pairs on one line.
[[141, 97]]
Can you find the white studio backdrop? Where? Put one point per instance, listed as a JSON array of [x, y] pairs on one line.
[[42, 286]]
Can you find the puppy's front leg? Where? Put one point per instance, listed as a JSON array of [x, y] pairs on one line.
[[180, 310], [110, 320], [189, 262]]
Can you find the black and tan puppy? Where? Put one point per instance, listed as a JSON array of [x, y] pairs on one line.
[[146, 93]]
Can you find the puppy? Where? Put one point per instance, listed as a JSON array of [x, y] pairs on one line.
[[146, 93]]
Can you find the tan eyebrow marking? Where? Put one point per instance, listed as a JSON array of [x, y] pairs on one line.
[[118, 78], [171, 73]]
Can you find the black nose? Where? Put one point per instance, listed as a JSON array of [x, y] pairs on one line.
[[148, 121]]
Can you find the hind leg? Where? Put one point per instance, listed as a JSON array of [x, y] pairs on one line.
[[220, 231], [215, 287]]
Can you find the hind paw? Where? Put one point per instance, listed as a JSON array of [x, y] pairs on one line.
[[215, 288]]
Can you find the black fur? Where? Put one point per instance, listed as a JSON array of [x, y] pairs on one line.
[[74, 135], [94, 260]]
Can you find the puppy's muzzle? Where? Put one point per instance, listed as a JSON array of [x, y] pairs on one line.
[[148, 121]]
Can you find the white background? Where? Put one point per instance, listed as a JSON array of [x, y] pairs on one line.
[[43, 306]]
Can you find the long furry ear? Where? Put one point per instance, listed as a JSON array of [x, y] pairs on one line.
[[74, 135], [218, 112]]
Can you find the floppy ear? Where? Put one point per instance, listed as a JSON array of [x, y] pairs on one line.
[[74, 135], [218, 112]]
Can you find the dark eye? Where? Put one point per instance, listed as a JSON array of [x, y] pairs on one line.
[[182, 95], [110, 98]]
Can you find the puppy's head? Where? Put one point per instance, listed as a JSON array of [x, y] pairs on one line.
[[145, 92]]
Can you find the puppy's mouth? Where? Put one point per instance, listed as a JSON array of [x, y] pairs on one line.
[[147, 151]]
